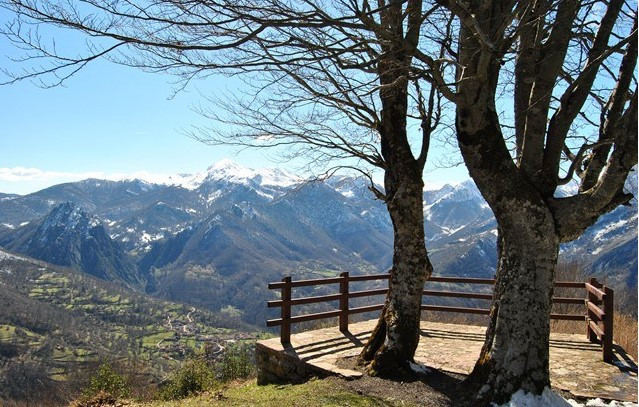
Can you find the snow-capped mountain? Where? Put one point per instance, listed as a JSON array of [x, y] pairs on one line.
[[454, 208], [221, 234], [609, 248], [69, 236], [228, 172]]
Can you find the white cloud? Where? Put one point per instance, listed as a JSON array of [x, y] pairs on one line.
[[22, 180], [23, 174]]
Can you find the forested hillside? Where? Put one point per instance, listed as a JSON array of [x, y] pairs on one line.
[[56, 324]]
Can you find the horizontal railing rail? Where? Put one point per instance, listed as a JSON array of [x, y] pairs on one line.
[[598, 320]]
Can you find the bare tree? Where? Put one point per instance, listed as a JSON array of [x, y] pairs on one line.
[[544, 91], [328, 81], [569, 66]]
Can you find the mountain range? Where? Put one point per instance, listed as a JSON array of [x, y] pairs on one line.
[[215, 238]]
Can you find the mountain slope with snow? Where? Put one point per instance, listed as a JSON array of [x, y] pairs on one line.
[[69, 236], [231, 227]]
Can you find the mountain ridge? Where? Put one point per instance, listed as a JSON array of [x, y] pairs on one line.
[[233, 232], [69, 236]]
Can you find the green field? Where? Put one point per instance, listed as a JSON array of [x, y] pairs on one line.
[[60, 321]]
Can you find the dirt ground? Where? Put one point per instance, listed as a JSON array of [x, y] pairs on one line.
[[433, 389]]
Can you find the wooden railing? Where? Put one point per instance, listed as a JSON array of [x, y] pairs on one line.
[[599, 321]]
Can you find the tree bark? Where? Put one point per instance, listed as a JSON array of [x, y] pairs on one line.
[[531, 221], [515, 353], [394, 340]]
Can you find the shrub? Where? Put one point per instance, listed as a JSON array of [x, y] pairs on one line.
[[237, 363], [108, 381], [625, 334], [193, 377]]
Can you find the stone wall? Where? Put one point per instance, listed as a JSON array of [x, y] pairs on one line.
[[276, 365]]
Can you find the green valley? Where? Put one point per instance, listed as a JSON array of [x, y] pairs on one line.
[[57, 324]]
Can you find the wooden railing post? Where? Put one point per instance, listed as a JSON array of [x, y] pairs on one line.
[[285, 331], [608, 304], [343, 302], [590, 334]]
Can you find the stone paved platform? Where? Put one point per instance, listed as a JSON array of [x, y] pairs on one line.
[[576, 365]]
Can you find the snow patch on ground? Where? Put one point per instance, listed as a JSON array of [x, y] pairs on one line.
[[602, 403], [418, 368], [551, 399], [609, 228], [212, 197], [4, 256], [264, 194], [347, 193], [147, 238], [547, 399], [427, 211], [450, 231]]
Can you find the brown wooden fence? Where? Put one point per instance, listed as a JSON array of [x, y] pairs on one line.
[[598, 303]]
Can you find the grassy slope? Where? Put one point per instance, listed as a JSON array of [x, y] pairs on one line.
[[315, 393]]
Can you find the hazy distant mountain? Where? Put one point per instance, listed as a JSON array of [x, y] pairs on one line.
[[221, 234]]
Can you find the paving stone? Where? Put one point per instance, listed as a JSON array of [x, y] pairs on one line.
[[576, 365]]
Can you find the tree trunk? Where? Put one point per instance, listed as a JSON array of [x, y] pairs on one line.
[[515, 353], [394, 340]]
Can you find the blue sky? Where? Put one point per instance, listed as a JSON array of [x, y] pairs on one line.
[[109, 120]]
